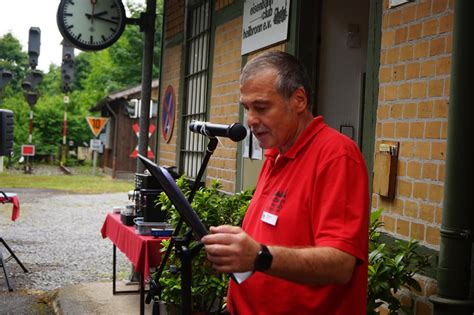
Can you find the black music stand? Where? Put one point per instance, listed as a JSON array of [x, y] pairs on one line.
[[183, 252], [180, 244]]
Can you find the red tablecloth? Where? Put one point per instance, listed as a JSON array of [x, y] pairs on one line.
[[12, 198], [142, 251]]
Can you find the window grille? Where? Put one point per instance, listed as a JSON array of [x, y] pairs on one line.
[[195, 86]]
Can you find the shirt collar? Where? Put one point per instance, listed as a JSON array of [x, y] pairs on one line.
[[313, 128]]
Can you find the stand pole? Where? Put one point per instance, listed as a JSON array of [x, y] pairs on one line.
[[12, 254], [186, 256], [155, 288]]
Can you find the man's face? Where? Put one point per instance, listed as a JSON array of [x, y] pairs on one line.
[[272, 119]]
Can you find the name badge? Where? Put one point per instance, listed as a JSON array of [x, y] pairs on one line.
[[269, 218]]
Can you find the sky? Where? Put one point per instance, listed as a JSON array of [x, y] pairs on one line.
[[17, 16]]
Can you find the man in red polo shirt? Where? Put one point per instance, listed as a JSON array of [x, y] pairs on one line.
[[305, 234]]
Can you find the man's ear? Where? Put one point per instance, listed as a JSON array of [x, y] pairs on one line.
[[299, 100]]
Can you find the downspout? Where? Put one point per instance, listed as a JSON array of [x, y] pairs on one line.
[[114, 149], [454, 294]]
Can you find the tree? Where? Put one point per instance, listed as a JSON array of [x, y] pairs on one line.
[[127, 53], [14, 60], [96, 74]]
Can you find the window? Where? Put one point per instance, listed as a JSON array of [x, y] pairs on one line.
[[195, 86]]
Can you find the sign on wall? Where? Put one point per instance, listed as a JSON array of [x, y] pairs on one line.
[[265, 23], [395, 3], [167, 115]]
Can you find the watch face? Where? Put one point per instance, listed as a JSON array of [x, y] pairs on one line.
[[264, 259], [91, 24]]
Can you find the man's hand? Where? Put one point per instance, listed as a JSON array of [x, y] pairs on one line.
[[230, 249]]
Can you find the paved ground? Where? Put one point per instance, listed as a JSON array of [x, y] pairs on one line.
[[57, 237]]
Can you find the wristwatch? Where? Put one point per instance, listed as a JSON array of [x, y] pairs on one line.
[[264, 259]]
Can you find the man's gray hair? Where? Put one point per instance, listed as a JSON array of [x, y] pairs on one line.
[[291, 73]]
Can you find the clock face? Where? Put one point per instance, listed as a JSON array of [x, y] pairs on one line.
[[91, 24]]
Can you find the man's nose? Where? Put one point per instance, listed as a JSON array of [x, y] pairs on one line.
[[252, 119]]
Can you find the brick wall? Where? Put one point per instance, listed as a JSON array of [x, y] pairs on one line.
[[174, 17], [414, 78], [415, 65], [171, 73], [171, 76], [224, 107], [220, 4]]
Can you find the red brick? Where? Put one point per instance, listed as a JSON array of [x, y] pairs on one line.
[[430, 171], [413, 70], [417, 231], [411, 208], [439, 6], [396, 111], [403, 227], [438, 150], [422, 49], [398, 72], [430, 27], [409, 110], [408, 14], [425, 109], [427, 212], [414, 31], [418, 90], [401, 35], [394, 18], [438, 46], [423, 9], [446, 24]]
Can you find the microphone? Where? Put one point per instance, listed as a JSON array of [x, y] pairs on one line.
[[235, 132]]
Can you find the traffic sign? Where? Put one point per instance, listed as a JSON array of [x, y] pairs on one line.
[[96, 145], [168, 113], [28, 150], [136, 130], [97, 124]]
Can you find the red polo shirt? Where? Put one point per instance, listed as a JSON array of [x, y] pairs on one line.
[[315, 194]]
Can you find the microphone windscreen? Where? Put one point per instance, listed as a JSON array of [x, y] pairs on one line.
[[237, 132]]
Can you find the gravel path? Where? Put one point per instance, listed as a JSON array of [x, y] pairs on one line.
[[57, 237]]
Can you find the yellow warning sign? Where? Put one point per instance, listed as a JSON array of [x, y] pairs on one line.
[[97, 124]]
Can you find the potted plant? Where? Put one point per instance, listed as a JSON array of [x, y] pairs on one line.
[[209, 288], [390, 269]]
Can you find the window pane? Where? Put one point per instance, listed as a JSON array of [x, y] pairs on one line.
[[196, 77]]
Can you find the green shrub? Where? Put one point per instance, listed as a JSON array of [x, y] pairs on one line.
[[390, 269], [209, 288]]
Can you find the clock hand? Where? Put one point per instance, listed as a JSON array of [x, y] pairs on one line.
[[93, 2], [92, 16], [98, 16], [100, 13], [106, 20]]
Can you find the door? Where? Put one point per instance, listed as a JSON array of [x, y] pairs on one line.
[[342, 64]]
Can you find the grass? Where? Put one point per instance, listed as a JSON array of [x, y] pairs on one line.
[[85, 184]]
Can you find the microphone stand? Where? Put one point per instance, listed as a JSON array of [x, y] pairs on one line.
[[184, 253]]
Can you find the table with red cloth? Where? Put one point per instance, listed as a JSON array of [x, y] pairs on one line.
[[11, 198], [142, 251]]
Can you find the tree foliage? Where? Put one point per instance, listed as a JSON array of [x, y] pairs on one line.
[[14, 60], [96, 74]]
